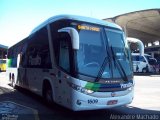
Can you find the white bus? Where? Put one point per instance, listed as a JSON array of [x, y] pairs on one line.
[[78, 62], [143, 63]]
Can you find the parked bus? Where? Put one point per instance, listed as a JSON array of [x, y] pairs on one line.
[[2, 65], [143, 63], [78, 62]]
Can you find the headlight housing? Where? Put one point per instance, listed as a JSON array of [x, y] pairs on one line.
[[130, 88], [80, 89]]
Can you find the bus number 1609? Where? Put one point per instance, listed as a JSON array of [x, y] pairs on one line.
[[92, 101]]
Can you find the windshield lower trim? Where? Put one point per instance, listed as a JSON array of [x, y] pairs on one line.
[[103, 80]]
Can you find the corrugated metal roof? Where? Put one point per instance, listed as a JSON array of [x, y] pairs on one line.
[[144, 24], [3, 46]]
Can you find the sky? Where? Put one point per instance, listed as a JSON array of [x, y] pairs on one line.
[[19, 17]]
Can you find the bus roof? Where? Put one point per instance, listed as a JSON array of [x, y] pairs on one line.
[[75, 17]]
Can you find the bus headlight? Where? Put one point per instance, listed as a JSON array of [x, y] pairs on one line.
[[86, 91], [80, 89], [130, 89]]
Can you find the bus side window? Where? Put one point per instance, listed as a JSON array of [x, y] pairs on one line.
[[141, 58], [64, 52], [64, 56], [137, 58], [46, 61], [133, 58], [38, 50]]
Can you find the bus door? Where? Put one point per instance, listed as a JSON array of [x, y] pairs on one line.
[[63, 59], [21, 70]]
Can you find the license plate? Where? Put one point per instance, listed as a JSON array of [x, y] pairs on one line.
[[112, 102]]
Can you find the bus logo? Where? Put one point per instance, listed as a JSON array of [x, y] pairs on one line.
[[126, 85], [113, 94]]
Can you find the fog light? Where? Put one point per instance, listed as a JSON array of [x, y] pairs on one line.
[[130, 89], [79, 102]]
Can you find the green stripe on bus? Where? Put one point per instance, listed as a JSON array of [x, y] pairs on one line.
[[9, 62], [92, 86], [89, 85]]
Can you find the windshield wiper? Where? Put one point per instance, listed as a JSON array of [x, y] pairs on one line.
[[102, 68], [119, 66], [116, 63]]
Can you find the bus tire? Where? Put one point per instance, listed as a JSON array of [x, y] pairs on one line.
[[13, 84], [144, 70], [10, 77], [47, 92]]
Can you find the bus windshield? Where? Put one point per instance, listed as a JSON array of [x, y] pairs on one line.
[[148, 57], [2, 61], [120, 53], [94, 53]]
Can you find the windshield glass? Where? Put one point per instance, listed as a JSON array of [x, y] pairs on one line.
[[2, 61], [120, 52], [91, 53], [94, 54]]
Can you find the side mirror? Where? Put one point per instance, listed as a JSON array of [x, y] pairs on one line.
[[74, 36]]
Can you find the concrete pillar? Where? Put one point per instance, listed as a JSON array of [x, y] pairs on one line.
[[125, 30], [152, 54], [2, 53], [152, 44], [146, 44]]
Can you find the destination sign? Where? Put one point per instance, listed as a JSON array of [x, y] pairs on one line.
[[91, 28]]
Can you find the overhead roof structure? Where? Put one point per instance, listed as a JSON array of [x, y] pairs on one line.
[[3, 47], [144, 25], [3, 51]]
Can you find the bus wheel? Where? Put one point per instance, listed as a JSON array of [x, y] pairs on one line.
[[144, 70], [48, 93], [13, 81], [10, 77]]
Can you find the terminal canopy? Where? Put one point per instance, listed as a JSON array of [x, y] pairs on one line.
[[3, 51], [144, 25]]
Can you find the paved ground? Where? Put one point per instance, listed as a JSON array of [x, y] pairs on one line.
[[145, 105], [147, 92]]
